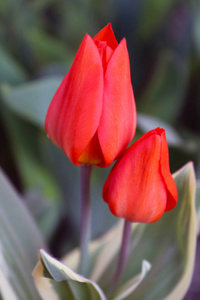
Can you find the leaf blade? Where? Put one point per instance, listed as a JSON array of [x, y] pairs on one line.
[[31, 100], [64, 278], [19, 243]]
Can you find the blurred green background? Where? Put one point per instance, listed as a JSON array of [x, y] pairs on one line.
[[38, 41]]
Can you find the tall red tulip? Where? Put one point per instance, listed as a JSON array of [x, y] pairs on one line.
[[140, 187], [92, 116]]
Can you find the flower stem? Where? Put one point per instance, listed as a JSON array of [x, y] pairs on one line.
[[123, 254], [85, 217]]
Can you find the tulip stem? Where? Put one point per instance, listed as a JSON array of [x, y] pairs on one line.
[[85, 217], [123, 254]]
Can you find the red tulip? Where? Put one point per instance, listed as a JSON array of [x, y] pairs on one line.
[[140, 187], [92, 116]]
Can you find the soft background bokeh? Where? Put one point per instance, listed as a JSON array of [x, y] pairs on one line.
[[38, 41]]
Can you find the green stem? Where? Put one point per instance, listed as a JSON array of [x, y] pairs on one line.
[[85, 217], [123, 254]]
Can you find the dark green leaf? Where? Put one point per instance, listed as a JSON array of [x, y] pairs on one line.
[[11, 71], [163, 97]]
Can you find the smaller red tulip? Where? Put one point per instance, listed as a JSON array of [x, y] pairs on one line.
[[140, 187]]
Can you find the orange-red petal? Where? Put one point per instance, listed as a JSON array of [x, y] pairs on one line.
[[106, 34], [137, 188], [74, 113], [118, 120], [169, 181]]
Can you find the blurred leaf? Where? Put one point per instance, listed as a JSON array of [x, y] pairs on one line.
[[198, 206], [20, 241], [184, 149], [192, 140], [68, 176], [152, 15], [102, 252], [146, 123], [181, 155], [9, 6], [7, 291], [38, 5], [198, 196], [11, 71], [54, 280], [196, 27], [44, 210], [168, 244], [42, 193], [163, 97], [46, 48], [31, 100]]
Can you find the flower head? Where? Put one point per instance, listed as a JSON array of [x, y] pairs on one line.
[[92, 116], [140, 187]]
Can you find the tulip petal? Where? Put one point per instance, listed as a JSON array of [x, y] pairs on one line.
[[135, 189], [75, 110], [118, 121], [54, 111], [106, 34], [169, 181], [92, 154]]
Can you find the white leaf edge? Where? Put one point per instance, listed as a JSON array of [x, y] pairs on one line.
[[67, 272], [126, 289], [180, 289]]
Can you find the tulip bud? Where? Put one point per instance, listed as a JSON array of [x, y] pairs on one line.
[[92, 116], [140, 187]]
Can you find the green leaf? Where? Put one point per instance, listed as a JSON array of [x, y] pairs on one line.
[[11, 71], [31, 100], [102, 253], [20, 241], [55, 280], [152, 15], [47, 48], [42, 194], [129, 287], [146, 123], [163, 97]]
